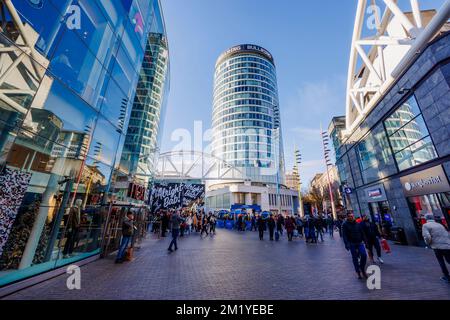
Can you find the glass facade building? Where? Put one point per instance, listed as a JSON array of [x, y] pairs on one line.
[[68, 76], [246, 114]]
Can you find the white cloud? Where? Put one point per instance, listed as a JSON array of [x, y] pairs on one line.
[[315, 102], [325, 95]]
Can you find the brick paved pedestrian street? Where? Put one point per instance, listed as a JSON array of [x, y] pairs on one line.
[[235, 265]]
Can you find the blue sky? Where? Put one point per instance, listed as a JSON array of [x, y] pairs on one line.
[[310, 41]]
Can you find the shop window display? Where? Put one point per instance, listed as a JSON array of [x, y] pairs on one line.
[[435, 204]]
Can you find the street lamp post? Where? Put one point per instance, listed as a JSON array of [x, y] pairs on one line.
[[298, 161], [326, 155]]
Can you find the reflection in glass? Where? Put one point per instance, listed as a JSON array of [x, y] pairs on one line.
[[43, 31], [143, 133], [115, 106], [78, 68], [409, 136], [104, 142]]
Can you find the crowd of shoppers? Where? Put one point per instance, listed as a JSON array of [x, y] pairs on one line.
[[362, 237]]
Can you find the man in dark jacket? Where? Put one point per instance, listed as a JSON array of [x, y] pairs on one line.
[[311, 226], [372, 235], [354, 242], [127, 233], [175, 220], [280, 223], [261, 223]]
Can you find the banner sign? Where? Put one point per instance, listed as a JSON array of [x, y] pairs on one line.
[[175, 195]]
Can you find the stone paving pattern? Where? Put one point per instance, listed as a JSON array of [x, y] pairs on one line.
[[238, 266]]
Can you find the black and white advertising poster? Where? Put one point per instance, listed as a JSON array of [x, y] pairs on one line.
[[176, 195]]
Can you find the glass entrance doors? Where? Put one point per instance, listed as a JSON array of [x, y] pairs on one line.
[[380, 214]]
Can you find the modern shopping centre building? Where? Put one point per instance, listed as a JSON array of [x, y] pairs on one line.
[[393, 145]]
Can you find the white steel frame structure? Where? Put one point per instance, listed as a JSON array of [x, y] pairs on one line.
[[363, 95], [195, 165]]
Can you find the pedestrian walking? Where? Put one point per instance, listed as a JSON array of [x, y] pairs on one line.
[[239, 223], [189, 221], [310, 230], [330, 225], [339, 223], [372, 236], [319, 225], [199, 222], [212, 224], [271, 225], [290, 227], [127, 234], [299, 224], [280, 223], [204, 225], [437, 238], [175, 221], [354, 242], [261, 223]]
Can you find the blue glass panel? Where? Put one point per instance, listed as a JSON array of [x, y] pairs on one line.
[[115, 13], [134, 45], [123, 72], [76, 66], [95, 31]]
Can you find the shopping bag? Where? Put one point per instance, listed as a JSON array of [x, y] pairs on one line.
[[129, 254], [277, 236], [295, 233], [385, 245]]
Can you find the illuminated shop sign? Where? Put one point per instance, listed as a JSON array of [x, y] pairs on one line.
[[136, 192], [433, 180], [376, 193]]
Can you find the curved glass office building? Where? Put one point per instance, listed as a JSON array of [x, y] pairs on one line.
[[68, 76], [246, 116]]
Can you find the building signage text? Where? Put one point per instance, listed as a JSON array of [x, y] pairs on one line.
[[428, 181]]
